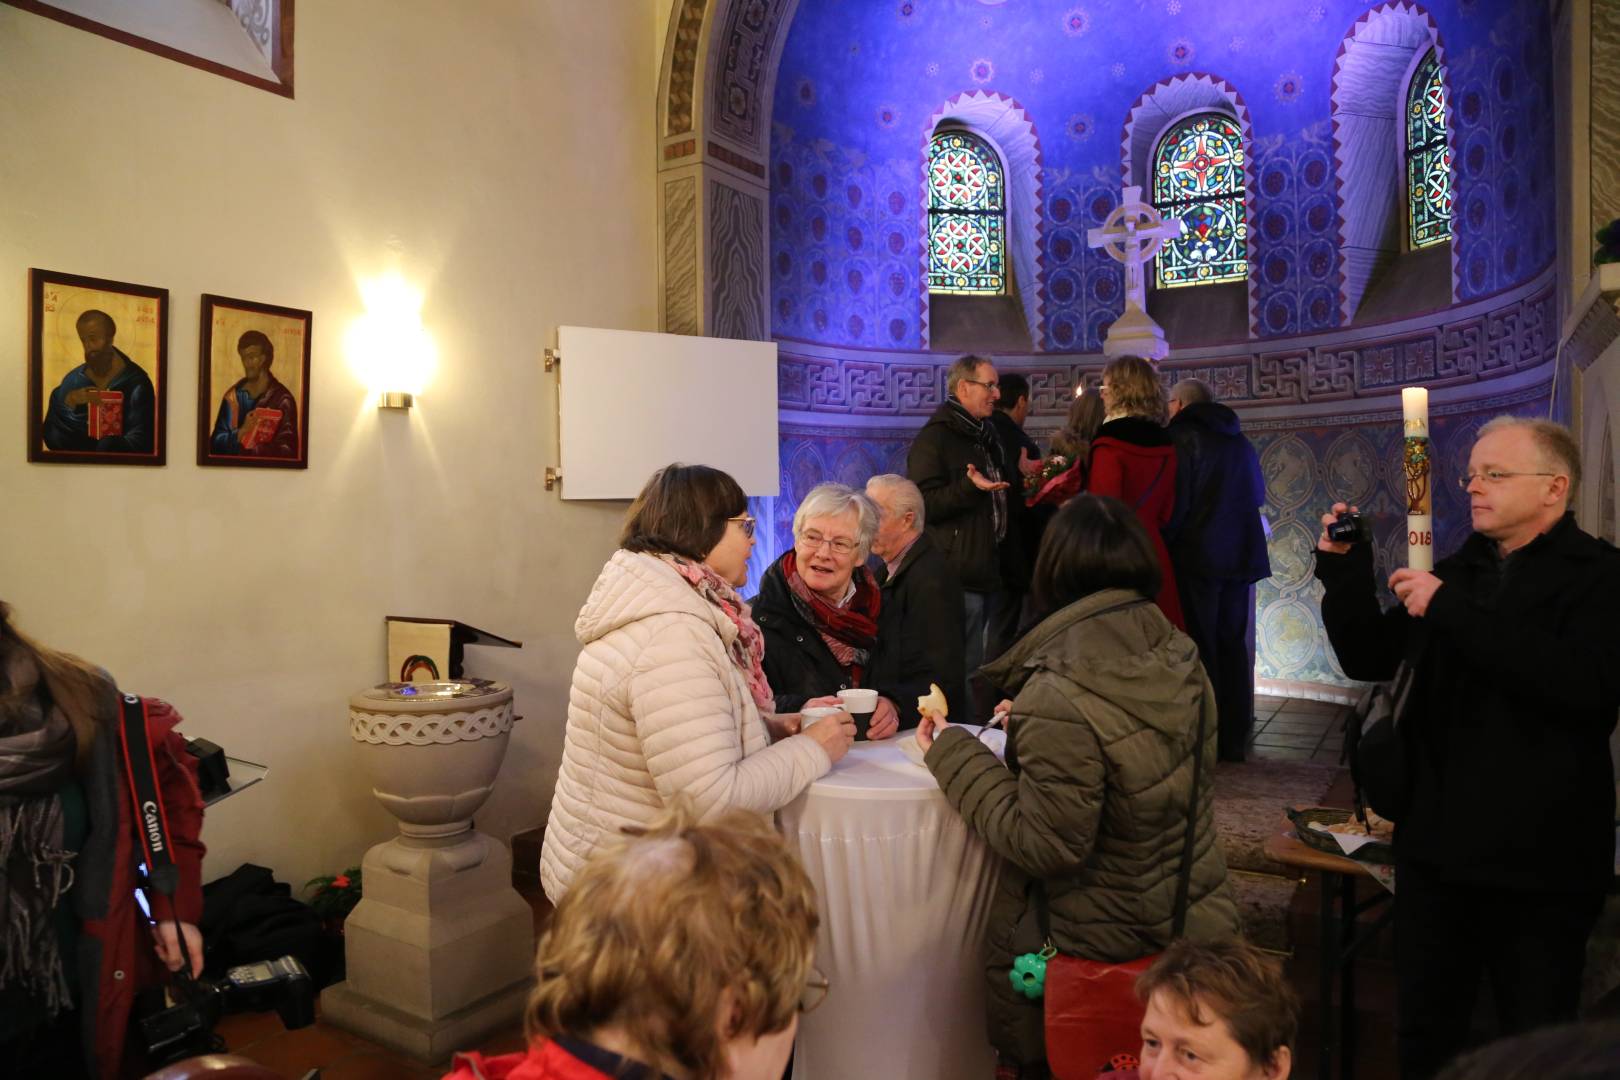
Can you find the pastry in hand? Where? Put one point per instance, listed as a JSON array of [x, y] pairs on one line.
[[934, 702]]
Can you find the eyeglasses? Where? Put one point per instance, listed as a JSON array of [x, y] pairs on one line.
[[1494, 476], [988, 384], [815, 991], [812, 541], [746, 522]]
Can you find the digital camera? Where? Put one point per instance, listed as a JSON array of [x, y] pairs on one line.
[[1350, 528], [177, 1021]]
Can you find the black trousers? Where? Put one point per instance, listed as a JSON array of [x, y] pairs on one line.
[[1220, 620], [1449, 938]]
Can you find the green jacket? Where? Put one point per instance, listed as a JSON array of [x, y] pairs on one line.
[[1094, 796]]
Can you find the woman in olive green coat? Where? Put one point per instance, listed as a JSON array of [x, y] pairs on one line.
[[1093, 801]]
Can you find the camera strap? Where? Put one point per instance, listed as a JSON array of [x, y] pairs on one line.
[[152, 821]]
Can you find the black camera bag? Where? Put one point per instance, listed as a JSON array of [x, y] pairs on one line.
[[1375, 746]]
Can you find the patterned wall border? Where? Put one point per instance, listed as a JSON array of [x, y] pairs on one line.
[[1346, 81], [680, 98], [1169, 100], [743, 53], [1513, 332]]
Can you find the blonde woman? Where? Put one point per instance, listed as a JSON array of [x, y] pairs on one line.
[[1134, 460], [682, 951]]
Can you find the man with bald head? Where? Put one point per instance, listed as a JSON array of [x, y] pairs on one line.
[[920, 638], [110, 382], [1504, 840]]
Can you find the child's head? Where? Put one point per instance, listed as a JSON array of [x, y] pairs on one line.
[[1216, 1012]]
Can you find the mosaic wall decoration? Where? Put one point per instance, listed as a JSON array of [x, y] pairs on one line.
[[858, 83]]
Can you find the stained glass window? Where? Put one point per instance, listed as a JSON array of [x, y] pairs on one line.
[[1198, 177], [967, 223], [1428, 156]]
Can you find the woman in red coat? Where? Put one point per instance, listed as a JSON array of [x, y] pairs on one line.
[[1134, 460], [77, 948]]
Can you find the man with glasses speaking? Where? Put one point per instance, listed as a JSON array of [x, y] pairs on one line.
[[956, 460], [1504, 843]]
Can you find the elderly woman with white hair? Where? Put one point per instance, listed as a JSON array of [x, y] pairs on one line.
[[818, 606]]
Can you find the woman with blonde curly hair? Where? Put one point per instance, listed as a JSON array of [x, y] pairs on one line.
[[1133, 459], [682, 951]]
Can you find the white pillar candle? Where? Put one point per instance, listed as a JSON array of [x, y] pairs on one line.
[[1415, 462]]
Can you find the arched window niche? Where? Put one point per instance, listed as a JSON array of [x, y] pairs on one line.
[[973, 297], [1395, 226], [1167, 115]]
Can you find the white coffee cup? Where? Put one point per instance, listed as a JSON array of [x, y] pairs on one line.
[[818, 712], [859, 702]]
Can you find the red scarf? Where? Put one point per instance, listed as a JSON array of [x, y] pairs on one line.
[[850, 631]]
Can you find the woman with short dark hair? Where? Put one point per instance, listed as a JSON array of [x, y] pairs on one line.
[[1091, 809], [669, 693]]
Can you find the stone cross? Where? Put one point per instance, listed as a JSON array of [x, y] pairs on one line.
[[1132, 235]]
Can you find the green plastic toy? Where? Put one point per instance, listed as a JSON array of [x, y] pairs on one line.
[[1028, 974]]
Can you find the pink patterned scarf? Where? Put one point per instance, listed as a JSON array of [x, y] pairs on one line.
[[748, 647]]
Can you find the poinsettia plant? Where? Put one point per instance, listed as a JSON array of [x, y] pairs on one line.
[[333, 896]]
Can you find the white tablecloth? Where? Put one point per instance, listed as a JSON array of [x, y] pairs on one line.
[[904, 891]]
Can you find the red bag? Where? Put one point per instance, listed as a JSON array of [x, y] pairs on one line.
[[1092, 1012]]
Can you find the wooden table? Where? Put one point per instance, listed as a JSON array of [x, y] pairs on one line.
[[1338, 940]]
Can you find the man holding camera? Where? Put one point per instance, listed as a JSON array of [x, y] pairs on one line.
[[1504, 843]]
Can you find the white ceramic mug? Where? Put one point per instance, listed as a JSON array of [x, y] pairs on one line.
[[818, 712], [859, 702]]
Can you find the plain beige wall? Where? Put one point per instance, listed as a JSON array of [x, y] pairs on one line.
[[499, 158]]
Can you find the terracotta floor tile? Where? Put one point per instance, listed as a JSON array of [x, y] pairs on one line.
[[1304, 740], [294, 1053], [380, 1065], [1297, 724], [242, 1030]]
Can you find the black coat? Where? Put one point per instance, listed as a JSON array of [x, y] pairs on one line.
[[798, 664], [920, 633], [1023, 524], [1216, 531], [1518, 682], [960, 517]]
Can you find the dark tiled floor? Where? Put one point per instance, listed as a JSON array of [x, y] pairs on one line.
[[1286, 729], [1293, 729]]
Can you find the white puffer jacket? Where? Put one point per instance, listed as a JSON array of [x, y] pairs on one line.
[[657, 709]]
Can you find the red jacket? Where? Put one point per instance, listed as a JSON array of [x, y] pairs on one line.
[[116, 955], [1133, 460], [542, 1061]]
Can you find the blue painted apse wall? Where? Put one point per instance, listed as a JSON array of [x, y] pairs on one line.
[[860, 79]]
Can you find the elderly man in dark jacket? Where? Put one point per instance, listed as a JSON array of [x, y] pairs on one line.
[[956, 461], [1217, 545], [1504, 840], [920, 623]]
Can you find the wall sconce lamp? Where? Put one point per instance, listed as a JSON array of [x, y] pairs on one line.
[[388, 348]]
